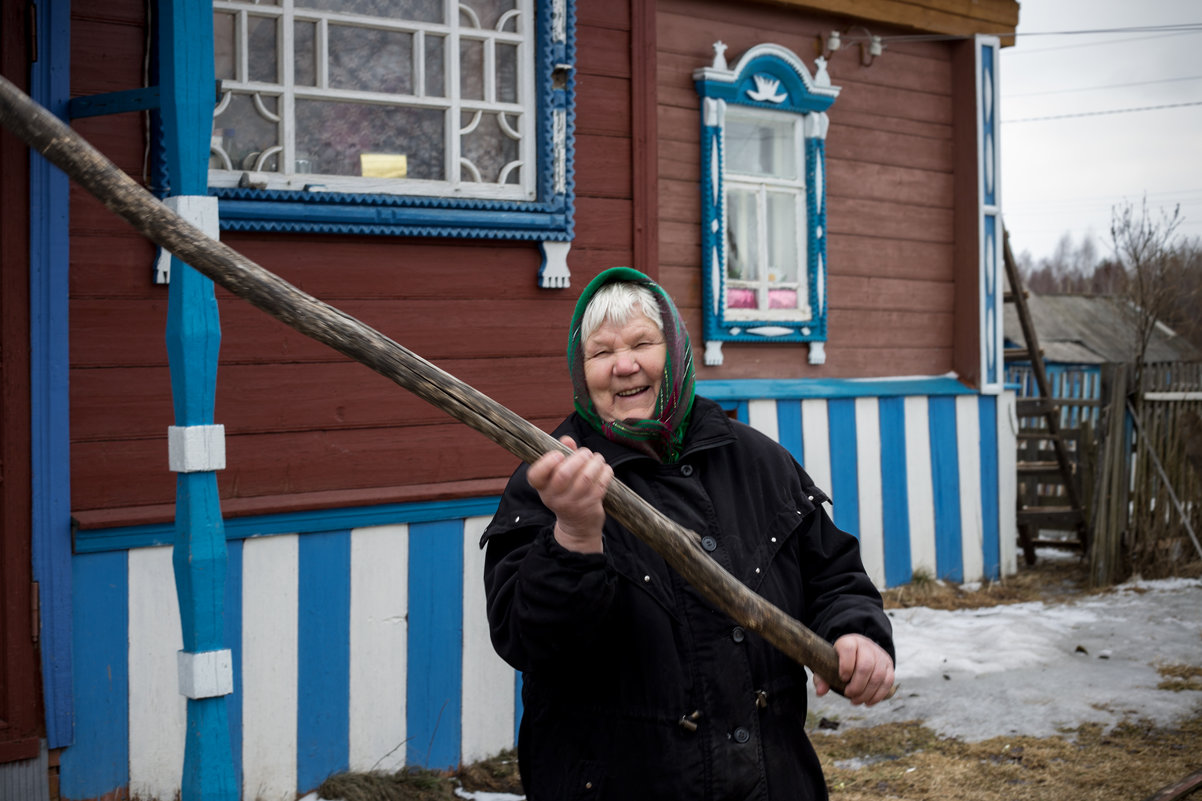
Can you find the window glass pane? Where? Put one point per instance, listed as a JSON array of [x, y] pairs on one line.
[[436, 82], [471, 69], [761, 146], [487, 149], [262, 52], [507, 73], [223, 46], [371, 60], [305, 53], [334, 137], [782, 237], [246, 130], [414, 10], [742, 226], [486, 13]]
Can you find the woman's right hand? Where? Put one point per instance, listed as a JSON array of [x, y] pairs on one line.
[[572, 486]]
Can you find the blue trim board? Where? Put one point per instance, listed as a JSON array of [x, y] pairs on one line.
[[895, 505], [782, 389], [233, 638], [434, 690], [788, 429], [98, 761], [845, 479], [125, 537], [50, 419], [324, 653], [990, 489], [945, 481]]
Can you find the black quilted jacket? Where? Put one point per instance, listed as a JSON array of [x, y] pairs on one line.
[[635, 687]]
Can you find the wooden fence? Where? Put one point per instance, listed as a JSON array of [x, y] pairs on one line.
[[1145, 468]]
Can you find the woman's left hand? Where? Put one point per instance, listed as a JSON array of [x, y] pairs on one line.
[[866, 668]]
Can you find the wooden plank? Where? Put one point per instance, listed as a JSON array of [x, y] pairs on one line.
[[957, 17], [602, 105], [787, 361], [877, 218], [114, 333], [897, 184], [106, 55], [887, 144], [604, 221], [602, 51], [129, 403], [603, 166], [611, 14], [869, 293], [874, 256], [115, 474]]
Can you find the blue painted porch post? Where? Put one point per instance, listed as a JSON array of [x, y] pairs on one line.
[[193, 337]]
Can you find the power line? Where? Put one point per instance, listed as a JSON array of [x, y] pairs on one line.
[[1187, 27], [1103, 113], [1105, 86]]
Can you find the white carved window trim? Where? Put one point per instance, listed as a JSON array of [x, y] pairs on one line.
[[769, 77]]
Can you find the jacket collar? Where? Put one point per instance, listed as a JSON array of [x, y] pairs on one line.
[[709, 427]]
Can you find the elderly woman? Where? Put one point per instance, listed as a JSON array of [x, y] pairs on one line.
[[635, 686]]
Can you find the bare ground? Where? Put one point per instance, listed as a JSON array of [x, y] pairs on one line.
[[909, 761]]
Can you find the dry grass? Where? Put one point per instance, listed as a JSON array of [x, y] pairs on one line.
[[910, 762]]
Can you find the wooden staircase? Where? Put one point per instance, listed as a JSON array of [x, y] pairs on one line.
[[1044, 457]]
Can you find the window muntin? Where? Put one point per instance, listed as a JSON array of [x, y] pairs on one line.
[[765, 216], [372, 96]]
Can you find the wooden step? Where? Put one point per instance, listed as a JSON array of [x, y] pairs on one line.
[[1039, 467], [1033, 407], [1064, 518]]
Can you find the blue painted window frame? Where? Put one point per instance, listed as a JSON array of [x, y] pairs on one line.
[[757, 81], [548, 218]]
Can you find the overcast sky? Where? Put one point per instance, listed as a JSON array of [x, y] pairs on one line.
[[1065, 175]]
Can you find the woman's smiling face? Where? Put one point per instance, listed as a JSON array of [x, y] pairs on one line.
[[624, 367]]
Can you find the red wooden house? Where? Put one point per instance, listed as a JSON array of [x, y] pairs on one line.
[[815, 183]]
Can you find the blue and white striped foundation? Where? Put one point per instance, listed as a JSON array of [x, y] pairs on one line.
[[367, 647]]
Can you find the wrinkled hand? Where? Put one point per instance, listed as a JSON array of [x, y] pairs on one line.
[[865, 667], [572, 487]]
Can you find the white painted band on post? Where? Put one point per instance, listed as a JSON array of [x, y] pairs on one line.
[[201, 211], [196, 449], [207, 674]]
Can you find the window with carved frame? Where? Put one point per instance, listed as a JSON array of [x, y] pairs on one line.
[[417, 117], [763, 199]]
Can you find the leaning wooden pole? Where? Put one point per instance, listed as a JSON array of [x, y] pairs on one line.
[[680, 547]]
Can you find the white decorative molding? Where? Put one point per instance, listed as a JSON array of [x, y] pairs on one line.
[[559, 137], [728, 75], [207, 674], [559, 21], [713, 353], [770, 331], [766, 90], [714, 111], [817, 123], [201, 211], [719, 62], [821, 76], [554, 272], [196, 449], [817, 353]]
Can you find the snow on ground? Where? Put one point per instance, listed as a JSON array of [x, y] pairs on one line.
[[1036, 669], [1033, 668]]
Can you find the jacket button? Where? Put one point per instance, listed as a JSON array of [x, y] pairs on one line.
[[686, 470], [737, 634], [709, 543], [742, 735]]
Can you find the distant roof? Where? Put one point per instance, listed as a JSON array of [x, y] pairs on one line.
[[1092, 329]]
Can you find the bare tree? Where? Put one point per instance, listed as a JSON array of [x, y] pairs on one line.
[[1144, 248]]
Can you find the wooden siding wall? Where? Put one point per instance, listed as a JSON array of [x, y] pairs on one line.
[[305, 427], [890, 169]]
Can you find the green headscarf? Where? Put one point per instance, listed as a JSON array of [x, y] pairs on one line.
[[661, 436]]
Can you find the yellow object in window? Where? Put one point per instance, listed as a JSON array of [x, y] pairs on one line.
[[384, 165]]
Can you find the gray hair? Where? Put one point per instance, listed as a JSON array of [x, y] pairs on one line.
[[615, 302]]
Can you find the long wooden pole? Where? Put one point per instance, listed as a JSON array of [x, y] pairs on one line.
[[680, 547]]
